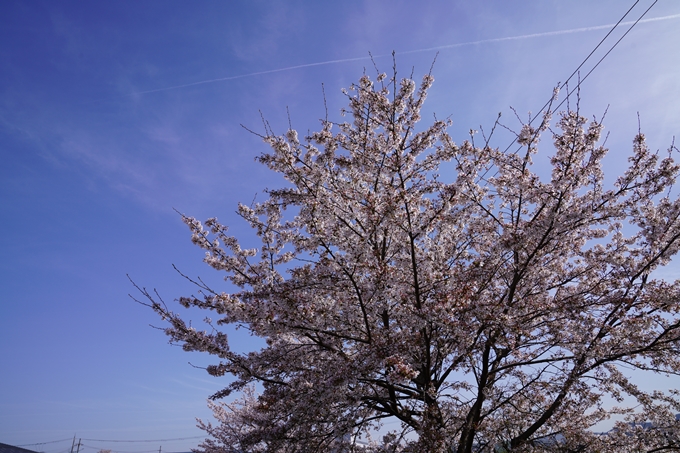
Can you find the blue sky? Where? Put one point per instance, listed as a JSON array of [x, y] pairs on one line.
[[112, 114]]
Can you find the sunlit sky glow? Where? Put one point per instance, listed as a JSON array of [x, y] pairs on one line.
[[113, 114]]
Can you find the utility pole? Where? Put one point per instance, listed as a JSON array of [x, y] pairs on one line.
[[78, 451], [159, 449], [73, 444]]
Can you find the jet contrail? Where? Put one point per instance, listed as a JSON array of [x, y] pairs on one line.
[[539, 35], [428, 49], [270, 71]]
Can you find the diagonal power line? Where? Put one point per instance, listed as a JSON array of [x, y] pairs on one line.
[[578, 85]]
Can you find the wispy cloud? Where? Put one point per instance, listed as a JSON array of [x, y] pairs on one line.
[[427, 49]]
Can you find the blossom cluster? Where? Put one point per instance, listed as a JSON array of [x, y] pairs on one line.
[[490, 309]]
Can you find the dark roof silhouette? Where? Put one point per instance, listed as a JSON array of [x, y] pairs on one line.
[[4, 448]]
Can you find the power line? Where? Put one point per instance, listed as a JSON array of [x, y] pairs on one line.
[[596, 64], [146, 440], [120, 451], [605, 55], [43, 443], [593, 51], [111, 440]]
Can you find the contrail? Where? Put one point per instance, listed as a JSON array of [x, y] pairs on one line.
[[539, 35], [270, 71], [428, 49]]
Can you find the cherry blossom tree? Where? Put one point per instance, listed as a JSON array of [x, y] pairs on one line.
[[489, 308]]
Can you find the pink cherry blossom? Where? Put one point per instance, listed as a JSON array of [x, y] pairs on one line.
[[487, 309]]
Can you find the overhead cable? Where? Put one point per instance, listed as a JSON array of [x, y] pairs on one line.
[[43, 443], [596, 64], [146, 440]]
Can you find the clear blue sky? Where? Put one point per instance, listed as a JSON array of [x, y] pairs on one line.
[[105, 128]]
